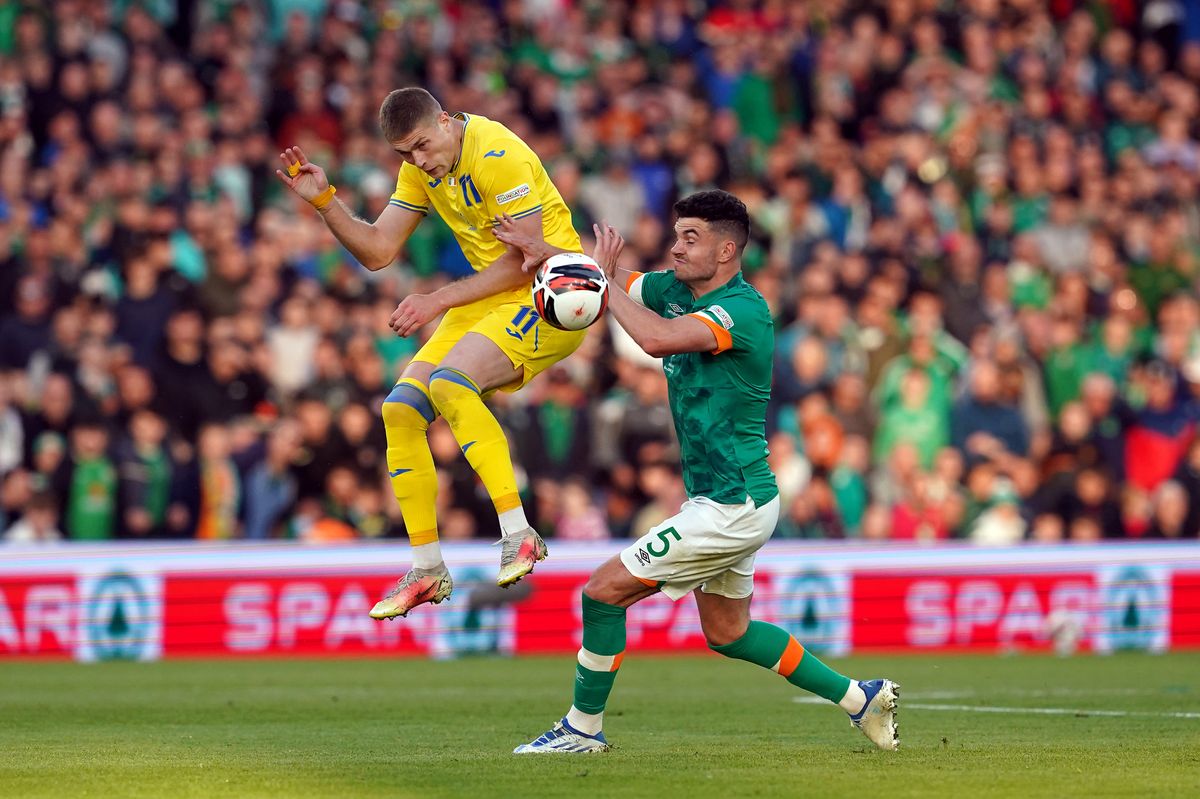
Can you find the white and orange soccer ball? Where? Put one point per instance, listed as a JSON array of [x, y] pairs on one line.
[[570, 291]]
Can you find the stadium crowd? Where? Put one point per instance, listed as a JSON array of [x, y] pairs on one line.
[[977, 224]]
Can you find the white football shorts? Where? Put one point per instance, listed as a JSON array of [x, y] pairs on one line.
[[706, 544]]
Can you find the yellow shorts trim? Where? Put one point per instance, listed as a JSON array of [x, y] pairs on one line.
[[530, 343]]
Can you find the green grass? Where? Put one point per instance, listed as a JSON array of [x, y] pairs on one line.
[[693, 727]]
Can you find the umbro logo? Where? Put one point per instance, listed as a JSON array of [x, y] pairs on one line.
[[643, 557]]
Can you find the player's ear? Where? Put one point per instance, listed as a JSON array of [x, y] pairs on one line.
[[727, 252]]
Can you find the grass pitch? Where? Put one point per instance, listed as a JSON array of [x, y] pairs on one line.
[[693, 727]]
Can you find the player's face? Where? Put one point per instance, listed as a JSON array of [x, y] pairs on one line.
[[430, 147], [695, 250]]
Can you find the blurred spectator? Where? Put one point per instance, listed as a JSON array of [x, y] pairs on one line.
[[580, 519], [614, 196], [1063, 240], [292, 344], [1093, 500], [914, 418], [1170, 513], [51, 471], [1161, 431], [232, 385], [663, 483], [1000, 524], [144, 308], [636, 416], [553, 435], [848, 482], [145, 471], [270, 484], [38, 524], [91, 511], [981, 421], [28, 330], [12, 433], [220, 485], [16, 490]]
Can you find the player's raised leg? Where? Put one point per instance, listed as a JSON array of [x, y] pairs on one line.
[[730, 631], [475, 366], [607, 594], [407, 414]]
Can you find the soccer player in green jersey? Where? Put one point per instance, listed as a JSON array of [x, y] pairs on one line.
[[717, 345]]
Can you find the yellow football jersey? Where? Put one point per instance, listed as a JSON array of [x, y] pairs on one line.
[[495, 173]]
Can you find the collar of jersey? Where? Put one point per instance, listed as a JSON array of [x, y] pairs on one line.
[[466, 118], [733, 281]]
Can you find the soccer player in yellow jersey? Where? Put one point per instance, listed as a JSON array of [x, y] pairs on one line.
[[469, 169]]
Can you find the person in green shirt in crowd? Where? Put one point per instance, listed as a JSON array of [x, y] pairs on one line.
[[938, 356], [1066, 364], [1163, 271], [145, 475], [92, 496], [1113, 349], [918, 419]]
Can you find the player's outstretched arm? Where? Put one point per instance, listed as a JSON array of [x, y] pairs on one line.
[[373, 245], [656, 335], [501, 275]]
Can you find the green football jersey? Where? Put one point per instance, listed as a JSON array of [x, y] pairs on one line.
[[719, 399], [92, 501]]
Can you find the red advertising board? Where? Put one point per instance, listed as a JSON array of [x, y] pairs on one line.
[[967, 611], [1185, 609], [147, 602], [303, 614], [38, 615]]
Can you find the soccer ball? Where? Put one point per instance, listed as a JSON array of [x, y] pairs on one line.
[[570, 291]]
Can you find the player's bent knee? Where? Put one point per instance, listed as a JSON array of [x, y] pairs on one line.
[[446, 384], [722, 631], [602, 590], [407, 406], [722, 637], [597, 591]]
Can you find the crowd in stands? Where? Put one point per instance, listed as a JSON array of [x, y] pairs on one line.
[[977, 224]]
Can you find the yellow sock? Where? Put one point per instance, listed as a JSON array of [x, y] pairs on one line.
[[458, 399], [407, 414]]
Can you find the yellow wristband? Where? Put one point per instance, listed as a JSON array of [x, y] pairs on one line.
[[323, 199]]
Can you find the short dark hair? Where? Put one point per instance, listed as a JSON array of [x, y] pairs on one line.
[[405, 109], [723, 212]]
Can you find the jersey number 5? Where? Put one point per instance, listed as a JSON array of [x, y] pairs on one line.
[[666, 545]]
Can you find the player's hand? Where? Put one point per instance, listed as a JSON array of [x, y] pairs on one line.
[[532, 249], [608, 248], [415, 311], [301, 175]]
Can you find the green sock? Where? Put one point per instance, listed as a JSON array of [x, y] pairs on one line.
[[772, 648], [601, 654]]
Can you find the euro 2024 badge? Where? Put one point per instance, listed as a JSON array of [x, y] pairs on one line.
[[120, 616]]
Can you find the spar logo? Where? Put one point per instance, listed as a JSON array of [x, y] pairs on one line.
[[120, 617], [814, 608], [1135, 604]]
